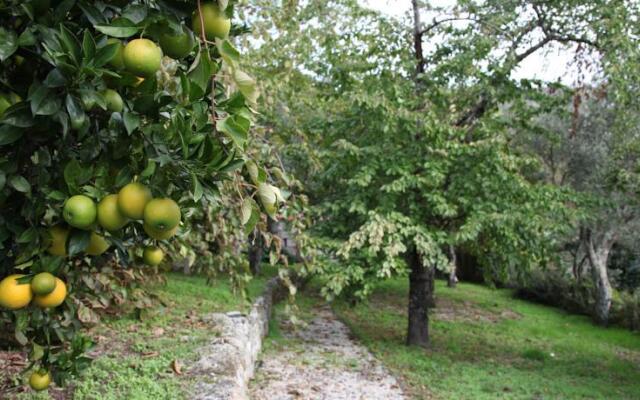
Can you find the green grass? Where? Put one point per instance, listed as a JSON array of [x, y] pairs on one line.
[[136, 354], [488, 345]]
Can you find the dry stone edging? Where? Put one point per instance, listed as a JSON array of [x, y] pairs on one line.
[[227, 363]]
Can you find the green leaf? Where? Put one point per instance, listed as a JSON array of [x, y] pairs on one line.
[[9, 134], [149, 170], [8, 43], [70, 43], [37, 352], [27, 38], [236, 127], [20, 184], [75, 110], [43, 102], [247, 208], [229, 53], [18, 115], [135, 13], [247, 85], [76, 175], [88, 46], [131, 121], [55, 78], [197, 188], [78, 241], [3, 179], [20, 337], [119, 28], [62, 9], [200, 76], [250, 214], [56, 195], [28, 236], [105, 54], [92, 13]]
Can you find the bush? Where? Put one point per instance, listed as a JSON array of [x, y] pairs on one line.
[[553, 288]]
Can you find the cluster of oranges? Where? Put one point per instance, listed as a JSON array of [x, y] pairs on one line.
[[143, 57], [160, 219]]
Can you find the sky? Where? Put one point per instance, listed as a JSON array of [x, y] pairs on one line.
[[551, 66]]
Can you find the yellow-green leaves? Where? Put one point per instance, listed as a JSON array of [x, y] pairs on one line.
[[270, 197], [250, 214], [246, 85]]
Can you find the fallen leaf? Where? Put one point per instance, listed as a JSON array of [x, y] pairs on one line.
[[158, 332], [176, 366], [149, 354]]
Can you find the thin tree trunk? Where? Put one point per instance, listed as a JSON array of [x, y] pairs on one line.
[[417, 39], [420, 278], [453, 278], [256, 251], [418, 327], [603, 291], [598, 254]]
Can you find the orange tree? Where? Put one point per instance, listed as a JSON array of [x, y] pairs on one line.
[[119, 122]]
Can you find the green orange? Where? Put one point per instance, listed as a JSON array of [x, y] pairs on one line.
[[40, 380], [58, 244], [152, 255], [114, 100], [216, 24], [80, 211], [162, 215], [109, 215], [53, 299], [132, 199], [142, 57], [43, 283], [159, 235], [177, 46], [97, 245]]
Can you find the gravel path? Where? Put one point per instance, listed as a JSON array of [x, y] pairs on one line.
[[321, 362]]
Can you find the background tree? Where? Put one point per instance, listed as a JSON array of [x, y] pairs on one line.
[[403, 131]]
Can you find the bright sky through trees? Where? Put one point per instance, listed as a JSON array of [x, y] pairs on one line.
[[550, 66]]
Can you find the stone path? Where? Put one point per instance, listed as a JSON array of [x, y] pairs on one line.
[[321, 362]]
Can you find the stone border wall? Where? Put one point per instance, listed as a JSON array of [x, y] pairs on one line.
[[227, 363]]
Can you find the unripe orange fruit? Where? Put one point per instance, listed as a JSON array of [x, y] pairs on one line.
[[216, 24], [53, 299], [132, 199], [142, 57]]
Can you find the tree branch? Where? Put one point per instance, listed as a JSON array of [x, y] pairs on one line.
[[437, 23]]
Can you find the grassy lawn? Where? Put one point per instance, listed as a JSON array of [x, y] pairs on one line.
[[488, 345], [134, 356]]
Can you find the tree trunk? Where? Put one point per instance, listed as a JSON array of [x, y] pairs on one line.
[[256, 251], [453, 279], [418, 327], [603, 291], [431, 289], [417, 39], [598, 254]]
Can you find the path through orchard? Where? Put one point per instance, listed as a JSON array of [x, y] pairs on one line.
[[320, 361]]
